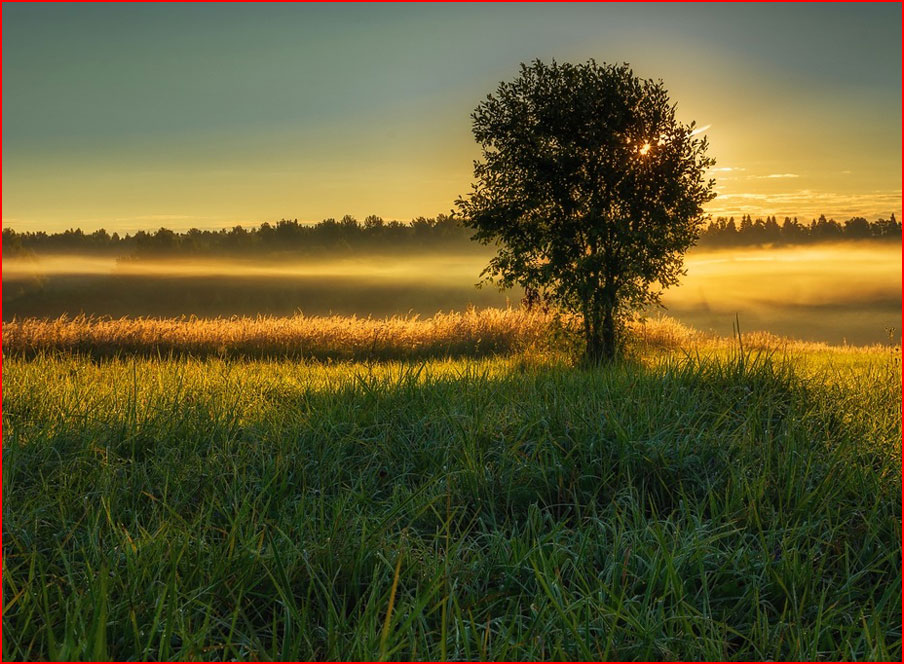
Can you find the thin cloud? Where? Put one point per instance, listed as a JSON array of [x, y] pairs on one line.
[[807, 204], [160, 217], [774, 176]]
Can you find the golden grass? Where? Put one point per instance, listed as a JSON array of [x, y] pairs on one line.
[[483, 332], [667, 333], [470, 333]]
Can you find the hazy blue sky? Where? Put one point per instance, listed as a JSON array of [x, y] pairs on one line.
[[137, 116]]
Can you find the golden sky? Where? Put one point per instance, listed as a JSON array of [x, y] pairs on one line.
[[140, 116]]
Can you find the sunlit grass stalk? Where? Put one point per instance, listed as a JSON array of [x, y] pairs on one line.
[[472, 333]]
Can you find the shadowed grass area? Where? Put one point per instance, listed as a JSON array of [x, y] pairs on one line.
[[720, 507]]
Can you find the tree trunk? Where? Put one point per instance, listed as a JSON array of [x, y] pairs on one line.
[[608, 334], [594, 354], [600, 334]]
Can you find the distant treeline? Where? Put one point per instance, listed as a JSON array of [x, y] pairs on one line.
[[285, 236], [441, 233], [726, 232]]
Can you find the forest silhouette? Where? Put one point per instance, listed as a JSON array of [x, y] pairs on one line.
[[441, 233]]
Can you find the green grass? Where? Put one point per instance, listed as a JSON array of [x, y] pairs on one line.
[[722, 507]]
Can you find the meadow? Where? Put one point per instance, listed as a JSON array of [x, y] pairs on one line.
[[450, 488], [838, 293]]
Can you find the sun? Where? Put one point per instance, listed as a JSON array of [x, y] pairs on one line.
[[645, 148]]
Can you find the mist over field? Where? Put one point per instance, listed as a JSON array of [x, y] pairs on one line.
[[834, 293]]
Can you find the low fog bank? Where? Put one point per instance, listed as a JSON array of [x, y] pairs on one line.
[[416, 267], [807, 277], [835, 293]]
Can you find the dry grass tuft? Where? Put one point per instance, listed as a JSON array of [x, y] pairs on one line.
[[484, 332], [474, 333]]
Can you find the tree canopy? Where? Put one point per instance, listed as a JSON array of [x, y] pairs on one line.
[[591, 189]]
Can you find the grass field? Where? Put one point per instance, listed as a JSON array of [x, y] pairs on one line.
[[485, 500]]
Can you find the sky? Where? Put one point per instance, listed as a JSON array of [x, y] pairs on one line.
[[130, 117]]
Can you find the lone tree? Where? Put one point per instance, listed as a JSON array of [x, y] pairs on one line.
[[590, 188]]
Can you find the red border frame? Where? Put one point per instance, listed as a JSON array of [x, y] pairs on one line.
[[2, 601]]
